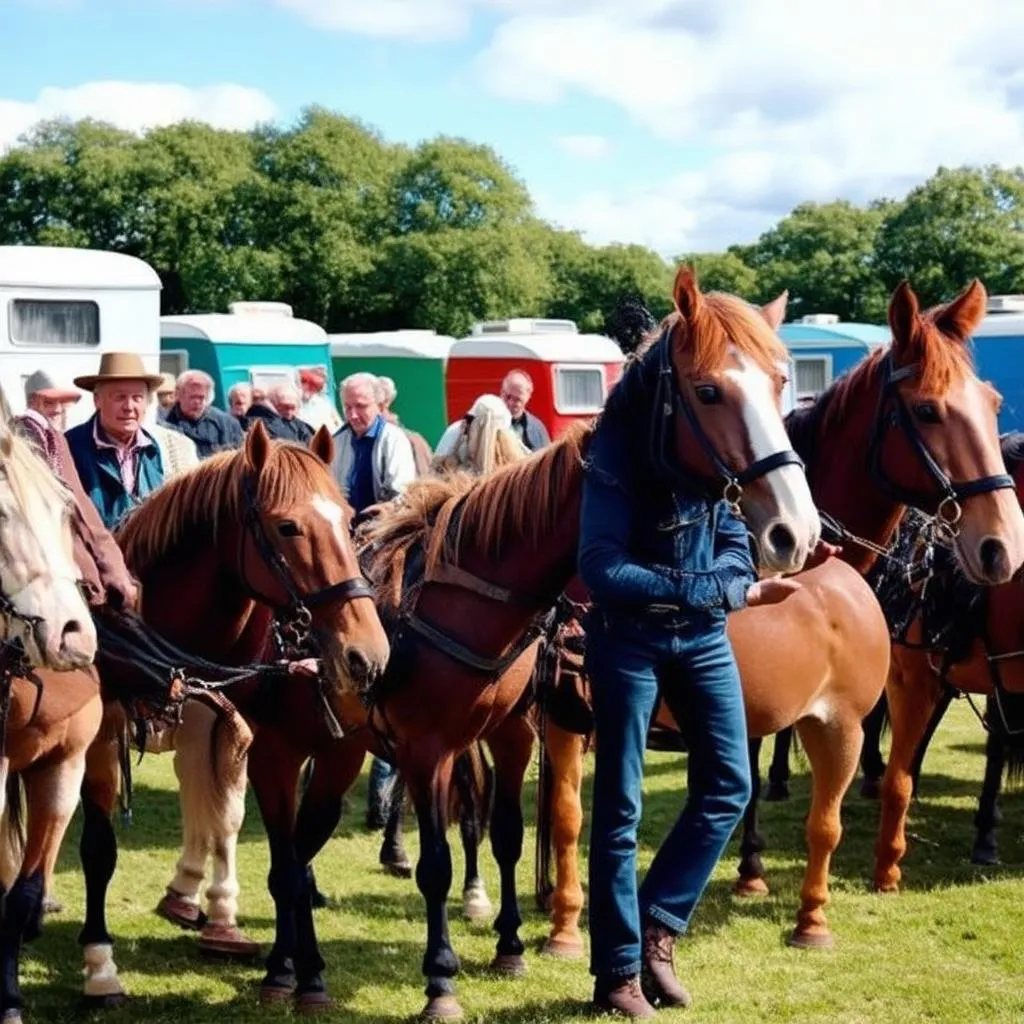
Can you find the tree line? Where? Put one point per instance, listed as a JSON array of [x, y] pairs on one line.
[[359, 234]]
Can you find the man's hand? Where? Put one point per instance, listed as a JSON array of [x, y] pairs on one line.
[[822, 553], [306, 667], [771, 591]]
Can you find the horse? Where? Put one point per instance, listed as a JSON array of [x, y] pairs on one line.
[[468, 570], [926, 368], [258, 540], [49, 694], [943, 652]]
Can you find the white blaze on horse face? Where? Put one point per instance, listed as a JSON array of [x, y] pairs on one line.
[[335, 516], [795, 510]]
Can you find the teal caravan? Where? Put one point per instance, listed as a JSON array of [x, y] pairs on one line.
[[823, 347], [998, 344], [415, 360], [257, 343]]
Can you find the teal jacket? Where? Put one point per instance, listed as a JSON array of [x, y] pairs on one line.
[[101, 475]]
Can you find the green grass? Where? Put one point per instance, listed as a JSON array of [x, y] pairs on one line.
[[946, 949]]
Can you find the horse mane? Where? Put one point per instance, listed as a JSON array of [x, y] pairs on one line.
[[1012, 447], [522, 501], [28, 471], [207, 495]]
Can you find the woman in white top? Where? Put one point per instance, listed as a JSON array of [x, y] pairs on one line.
[[481, 441]]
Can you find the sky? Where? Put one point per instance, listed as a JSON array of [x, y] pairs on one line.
[[685, 125]]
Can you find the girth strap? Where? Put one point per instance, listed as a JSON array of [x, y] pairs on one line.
[[491, 666]]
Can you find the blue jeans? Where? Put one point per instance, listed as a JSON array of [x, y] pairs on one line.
[[692, 661], [381, 774]]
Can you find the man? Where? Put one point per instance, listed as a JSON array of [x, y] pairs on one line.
[[516, 390], [165, 395], [386, 395], [193, 414], [373, 462], [117, 459], [285, 398], [373, 459], [239, 401], [43, 396]]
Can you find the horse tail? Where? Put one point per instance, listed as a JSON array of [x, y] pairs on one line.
[[14, 837], [1012, 706], [473, 789]]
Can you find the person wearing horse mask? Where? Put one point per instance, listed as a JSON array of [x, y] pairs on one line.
[[660, 597]]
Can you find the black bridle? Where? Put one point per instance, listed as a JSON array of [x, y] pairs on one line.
[[893, 412], [668, 400]]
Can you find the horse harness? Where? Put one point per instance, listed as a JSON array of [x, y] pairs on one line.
[[15, 664]]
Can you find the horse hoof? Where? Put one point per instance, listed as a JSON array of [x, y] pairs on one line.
[[749, 887], [111, 1001], [811, 940], [476, 906], [986, 858], [52, 906], [400, 869], [777, 793], [563, 949], [227, 942], [870, 789], [274, 994], [310, 1003], [11, 1017], [510, 965], [182, 913], [442, 1008]]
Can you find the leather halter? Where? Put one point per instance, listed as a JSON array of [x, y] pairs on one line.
[[668, 400], [299, 604], [950, 493]]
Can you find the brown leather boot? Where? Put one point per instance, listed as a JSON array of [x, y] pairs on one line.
[[622, 995], [658, 977]]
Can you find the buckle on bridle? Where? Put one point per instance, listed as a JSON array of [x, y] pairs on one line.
[[948, 516], [731, 494]]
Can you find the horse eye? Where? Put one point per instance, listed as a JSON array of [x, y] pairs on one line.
[[708, 394], [289, 529], [926, 412]]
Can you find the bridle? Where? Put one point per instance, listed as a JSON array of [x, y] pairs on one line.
[[669, 400], [893, 412]]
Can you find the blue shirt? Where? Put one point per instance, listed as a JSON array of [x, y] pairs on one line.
[[360, 476]]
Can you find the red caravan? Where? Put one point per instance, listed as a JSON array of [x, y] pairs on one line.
[[571, 372]]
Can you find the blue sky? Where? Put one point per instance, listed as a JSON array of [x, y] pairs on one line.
[[678, 124]]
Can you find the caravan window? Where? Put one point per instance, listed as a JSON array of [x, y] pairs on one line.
[[71, 322], [579, 389], [813, 375]]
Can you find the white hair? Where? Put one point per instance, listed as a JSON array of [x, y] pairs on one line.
[[196, 377], [386, 390], [359, 380], [240, 388], [281, 390]]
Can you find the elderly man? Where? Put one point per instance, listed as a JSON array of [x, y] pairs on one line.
[[386, 394], [165, 395], [373, 459], [516, 389], [239, 401], [43, 396], [117, 459], [285, 398], [193, 414]]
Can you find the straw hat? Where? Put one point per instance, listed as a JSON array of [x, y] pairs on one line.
[[119, 366], [42, 384]]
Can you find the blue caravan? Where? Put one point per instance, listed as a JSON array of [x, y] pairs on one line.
[[822, 347], [257, 343], [999, 355]]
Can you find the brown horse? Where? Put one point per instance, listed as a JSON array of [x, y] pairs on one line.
[[923, 384], [48, 691], [467, 573], [220, 551]]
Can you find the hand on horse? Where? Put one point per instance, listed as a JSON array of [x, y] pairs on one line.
[[305, 667], [771, 591], [822, 553]]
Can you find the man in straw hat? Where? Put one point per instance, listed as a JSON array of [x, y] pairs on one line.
[[117, 459]]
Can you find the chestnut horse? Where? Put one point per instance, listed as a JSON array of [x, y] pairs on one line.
[[923, 384], [50, 702], [220, 551], [468, 571]]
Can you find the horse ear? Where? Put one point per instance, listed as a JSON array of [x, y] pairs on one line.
[[959, 318], [257, 446], [775, 311], [322, 445], [904, 314], [686, 292]]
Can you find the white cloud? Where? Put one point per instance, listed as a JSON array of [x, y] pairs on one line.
[[409, 19], [795, 101], [585, 147], [137, 106]]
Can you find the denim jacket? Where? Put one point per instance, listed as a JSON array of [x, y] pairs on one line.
[[643, 542]]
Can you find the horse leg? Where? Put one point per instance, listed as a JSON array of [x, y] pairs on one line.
[[833, 749], [393, 858], [565, 751], [751, 881], [872, 763], [912, 696], [987, 817], [512, 746], [316, 898], [473, 811], [428, 779], [945, 699], [778, 770]]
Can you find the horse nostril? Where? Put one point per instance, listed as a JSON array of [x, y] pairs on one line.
[[781, 540], [70, 627], [357, 664], [994, 560]]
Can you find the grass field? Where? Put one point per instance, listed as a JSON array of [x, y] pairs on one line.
[[945, 949]]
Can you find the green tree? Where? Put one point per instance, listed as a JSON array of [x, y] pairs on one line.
[[723, 272], [960, 224]]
